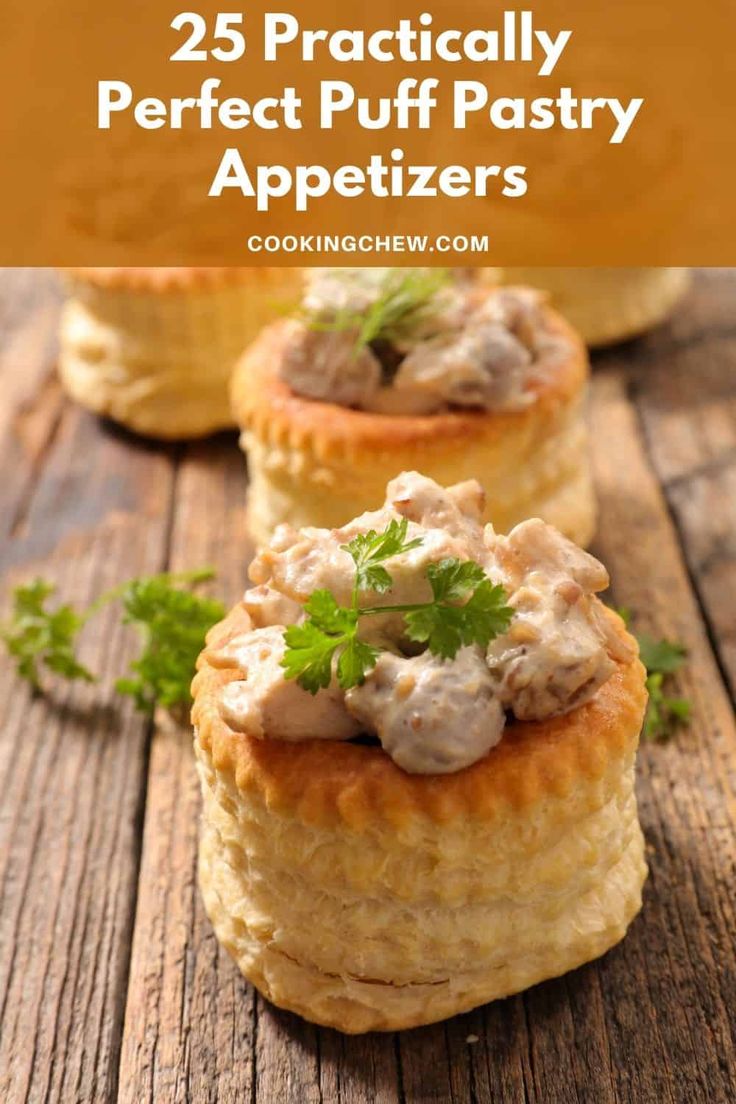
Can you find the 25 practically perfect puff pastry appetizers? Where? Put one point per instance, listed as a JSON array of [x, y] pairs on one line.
[[387, 369], [154, 348], [416, 742]]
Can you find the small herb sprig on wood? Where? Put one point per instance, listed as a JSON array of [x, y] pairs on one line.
[[665, 713], [173, 622], [466, 608], [403, 303], [662, 658]]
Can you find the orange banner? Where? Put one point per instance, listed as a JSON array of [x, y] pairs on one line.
[[142, 132]]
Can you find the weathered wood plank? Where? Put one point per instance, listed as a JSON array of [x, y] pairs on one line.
[[189, 1024], [31, 398], [670, 989], [686, 397], [71, 769], [358, 1069], [705, 508]]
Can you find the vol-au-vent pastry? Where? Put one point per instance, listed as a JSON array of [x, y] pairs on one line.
[[154, 348], [387, 369], [606, 305], [416, 741]]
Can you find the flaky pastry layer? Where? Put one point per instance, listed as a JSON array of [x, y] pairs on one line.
[[154, 348], [365, 898], [315, 463]]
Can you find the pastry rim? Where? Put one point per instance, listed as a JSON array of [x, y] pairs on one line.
[[266, 405], [167, 279], [328, 782]]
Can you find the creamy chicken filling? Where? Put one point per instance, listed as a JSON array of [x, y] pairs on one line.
[[399, 341], [431, 715]]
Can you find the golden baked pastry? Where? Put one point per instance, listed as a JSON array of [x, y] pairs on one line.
[[315, 462], [367, 897], [153, 348], [606, 305]]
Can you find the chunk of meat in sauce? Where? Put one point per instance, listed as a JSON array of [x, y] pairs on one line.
[[329, 366], [561, 646], [482, 365], [431, 716], [457, 509], [265, 704], [267, 606]]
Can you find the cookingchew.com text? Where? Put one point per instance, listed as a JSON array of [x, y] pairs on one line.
[[367, 243]]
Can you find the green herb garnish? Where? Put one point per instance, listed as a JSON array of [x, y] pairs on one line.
[[404, 302], [38, 638], [662, 658], [174, 623], [466, 608], [369, 550], [172, 619], [664, 713]]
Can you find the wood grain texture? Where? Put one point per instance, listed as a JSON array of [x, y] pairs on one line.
[[685, 396], [682, 1006], [72, 770], [112, 984], [189, 1025]]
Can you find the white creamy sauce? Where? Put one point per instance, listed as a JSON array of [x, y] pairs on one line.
[[465, 348], [431, 715], [263, 703]]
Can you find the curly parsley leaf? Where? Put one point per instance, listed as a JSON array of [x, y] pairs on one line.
[[664, 713], [38, 638], [466, 608], [444, 627], [309, 654], [452, 579], [664, 656], [173, 623], [662, 659], [311, 646], [369, 550], [325, 614], [356, 660]]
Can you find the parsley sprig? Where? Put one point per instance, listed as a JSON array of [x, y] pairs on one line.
[[172, 620], [466, 608], [404, 302], [665, 713], [662, 659], [173, 623], [38, 638]]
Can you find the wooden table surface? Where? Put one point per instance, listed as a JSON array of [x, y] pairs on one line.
[[112, 986]]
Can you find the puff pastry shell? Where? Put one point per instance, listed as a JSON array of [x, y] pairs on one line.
[[607, 305], [154, 348], [365, 898], [316, 463]]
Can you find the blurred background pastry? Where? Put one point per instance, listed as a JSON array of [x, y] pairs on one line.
[[387, 369], [605, 304], [153, 348]]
